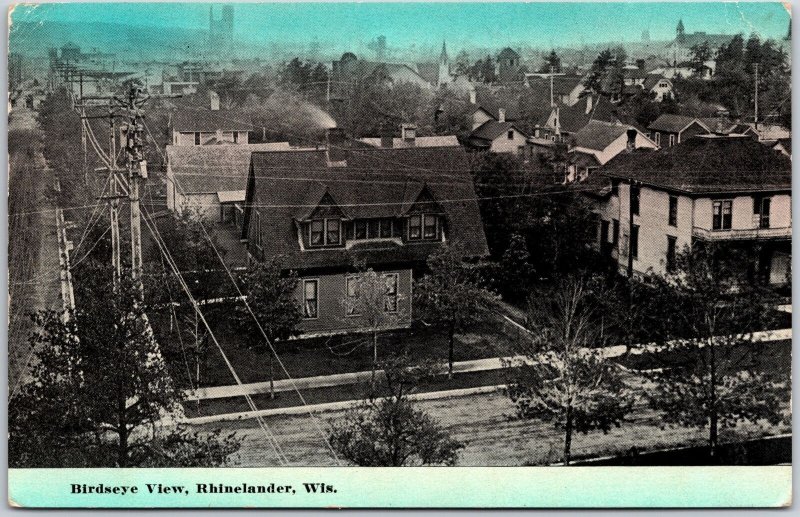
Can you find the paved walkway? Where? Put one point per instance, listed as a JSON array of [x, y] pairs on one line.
[[478, 365]]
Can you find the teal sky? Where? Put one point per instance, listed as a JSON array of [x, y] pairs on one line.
[[480, 24]]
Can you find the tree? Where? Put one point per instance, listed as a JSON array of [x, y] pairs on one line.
[[391, 431], [701, 53], [100, 390], [374, 298], [715, 305], [462, 63], [515, 273], [600, 65], [450, 296], [552, 63], [561, 380], [271, 295]]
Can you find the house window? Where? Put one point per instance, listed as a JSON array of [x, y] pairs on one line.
[[634, 242], [671, 244], [415, 227], [635, 199], [387, 228], [310, 301], [353, 295], [511, 134], [197, 138], [658, 138], [430, 227], [235, 137], [761, 206], [361, 229], [673, 211], [333, 231], [615, 232], [317, 237], [722, 214], [373, 228], [390, 303], [671, 140]]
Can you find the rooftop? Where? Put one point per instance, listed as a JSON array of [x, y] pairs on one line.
[[674, 123], [707, 166], [206, 120]]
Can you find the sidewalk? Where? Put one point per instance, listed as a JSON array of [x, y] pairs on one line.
[[478, 365]]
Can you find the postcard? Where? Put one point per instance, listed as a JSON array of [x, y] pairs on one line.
[[399, 255]]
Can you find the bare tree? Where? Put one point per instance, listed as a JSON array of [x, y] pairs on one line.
[[562, 378]]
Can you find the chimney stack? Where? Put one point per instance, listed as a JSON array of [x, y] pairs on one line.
[[408, 133], [631, 140], [588, 104], [501, 115], [336, 151], [387, 136], [473, 96], [214, 101]]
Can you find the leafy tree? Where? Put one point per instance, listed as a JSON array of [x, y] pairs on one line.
[[714, 304], [462, 63], [451, 297], [600, 66], [391, 431], [514, 273], [561, 380], [552, 63], [100, 388], [701, 53], [271, 295]]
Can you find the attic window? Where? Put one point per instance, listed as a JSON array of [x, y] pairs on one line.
[[511, 134], [423, 227], [325, 232]]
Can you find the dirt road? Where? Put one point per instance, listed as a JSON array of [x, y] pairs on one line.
[[33, 266]]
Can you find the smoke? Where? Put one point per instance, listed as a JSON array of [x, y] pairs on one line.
[[322, 118], [285, 116]]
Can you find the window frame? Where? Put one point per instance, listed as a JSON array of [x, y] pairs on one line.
[[672, 140], [321, 233], [395, 295], [615, 232], [413, 226], [721, 203], [352, 308], [672, 211], [235, 137], [636, 197], [197, 138], [633, 242], [672, 252], [658, 138], [758, 209], [510, 134], [425, 218], [315, 282], [338, 222]]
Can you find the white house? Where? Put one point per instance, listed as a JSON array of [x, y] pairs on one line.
[[731, 191], [598, 142]]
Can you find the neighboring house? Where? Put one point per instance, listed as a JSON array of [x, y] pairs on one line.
[[783, 146], [350, 68], [567, 89], [598, 142], [768, 132], [563, 122], [386, 209], [509, 67], [408, 138], [210, 180], [668, 130], [199, 126], [498, 136], [730, 190], [659, 86], [686, 71]]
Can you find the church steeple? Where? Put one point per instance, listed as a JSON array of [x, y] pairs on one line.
[[444, 67], [443, 56]]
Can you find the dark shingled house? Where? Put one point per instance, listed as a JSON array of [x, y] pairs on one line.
[[320, 211]]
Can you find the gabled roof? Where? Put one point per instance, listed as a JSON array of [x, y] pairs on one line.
[[573, 118], [652, 80], [597, 135], [208, 169], [375, 182], [491, 129], [562, 84], [674, 123], [429, 72], [707, 166], [508, 53], [206, 120]]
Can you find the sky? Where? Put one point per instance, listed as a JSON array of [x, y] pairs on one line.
[[424, 24]]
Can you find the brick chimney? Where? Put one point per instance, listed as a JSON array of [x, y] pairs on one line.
[[473, 96], [214, 96], [336, 150], [501, 115], [408, 132]]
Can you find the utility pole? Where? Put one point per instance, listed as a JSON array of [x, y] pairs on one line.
[[630, 227], [552, 71], [137, 171], [116, 261], [755, 116]]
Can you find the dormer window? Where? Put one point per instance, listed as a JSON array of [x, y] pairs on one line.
[[325, 232], [423, 227]]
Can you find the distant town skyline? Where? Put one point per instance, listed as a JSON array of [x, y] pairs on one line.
[[423, 25]]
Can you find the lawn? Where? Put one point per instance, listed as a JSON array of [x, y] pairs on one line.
[[318, 356]]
